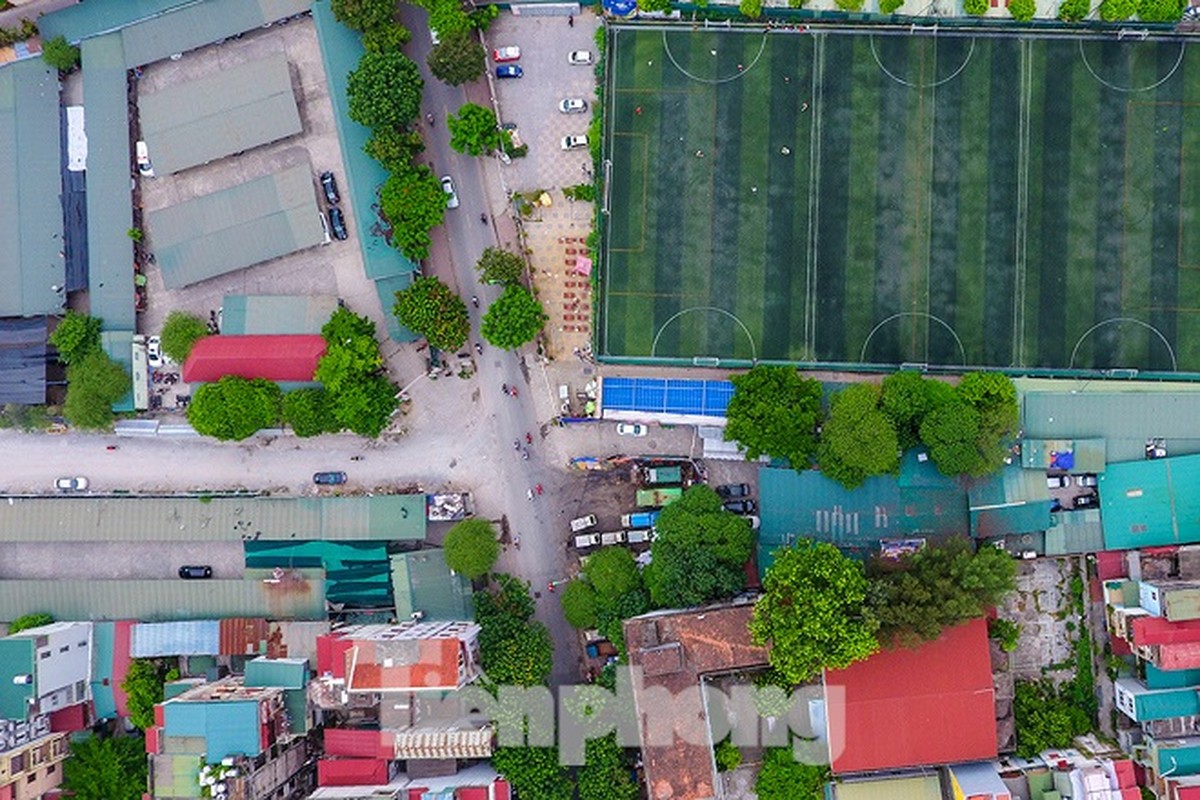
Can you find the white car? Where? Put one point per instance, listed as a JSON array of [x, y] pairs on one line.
[[574, 142], [154, 356], [573, 105], [579, 58], [631, 429], [143, 160], [448, 188], [71, 484]]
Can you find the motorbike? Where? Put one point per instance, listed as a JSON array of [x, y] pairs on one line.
[[475, 301], [516, 445], [524, 455], [528, 438], [538, 488], [483, 218], [479, 348]]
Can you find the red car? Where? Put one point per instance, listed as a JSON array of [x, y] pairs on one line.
[[502, 54]]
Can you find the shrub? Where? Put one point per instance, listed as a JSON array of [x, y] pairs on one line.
[[850, 5], [180, 333], [27, 621], [976, 8], [1006, 632], [1160, 10], [59, 54], [76, 336], [1074, 10], [235, 408], [1022, 10], [471, 547], [751, 9], [1117, 10], [889, 6], [727, 756]]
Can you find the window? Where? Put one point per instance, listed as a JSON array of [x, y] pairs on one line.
[[82, 644], [50, 770], [44, 655], [66, 648], [31, 777]]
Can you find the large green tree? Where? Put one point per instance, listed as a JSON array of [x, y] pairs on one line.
[[514, 648], [363, 15], [386, 38], [473, 130], [143, 687], [361, 398], [500, 266], [94, 383], [428, 307], [384, 90], [971, 432], [458, 58], [534, 772], [180, 333], [812, 611], [612, 572], [906, 398], [579, 603], [514, 319], [858, 440], [413, 203], [394, 148], [937, 587], [102, 768], [774, 411], [234, 408], [681, 577], [60, 54], [75, 336], [698, 520], [310, 412], [605, 775], [471, 547], [1045, 719], [783, 778]]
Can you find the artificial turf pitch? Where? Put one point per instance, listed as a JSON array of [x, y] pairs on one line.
[[947, 200]]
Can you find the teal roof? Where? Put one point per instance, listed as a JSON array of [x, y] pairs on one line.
[[228, 727], [1180, 754], [236, 227], [1075, 532], [1170, 679], [422, 582], [1150, 503], [285, 673], [119, 347], [1013, 500], [103, 648], [296, 702], [77, 22], [386, 288], [356, 573], [1124, 419], [1083, 455], [247, 314], [31, 214], [16, 658]]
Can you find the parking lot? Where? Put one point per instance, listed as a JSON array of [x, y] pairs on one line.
[[335, 268]]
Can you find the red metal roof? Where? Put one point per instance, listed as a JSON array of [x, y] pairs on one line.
[[122, 637], [1110, 564], [472, 793], [276, 358], [246, 636], [1187, 793], [331, 655], [1185, 655], [72, 718], [1156, 630], [436, 666], [359, 743], [351, 772], [905, 708]]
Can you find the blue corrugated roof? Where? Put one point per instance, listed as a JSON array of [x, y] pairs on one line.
[[285, 673], [229, 727], [667, 396], [1151, 503], [191, 638]]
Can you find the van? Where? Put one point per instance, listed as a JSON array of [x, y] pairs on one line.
[[586, 540], [583, 523], [643, 536], [612, 537]]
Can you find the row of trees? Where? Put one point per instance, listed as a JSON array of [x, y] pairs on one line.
[[967, 428], [94, 380]]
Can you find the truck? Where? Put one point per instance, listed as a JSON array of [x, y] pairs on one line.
[[641, 536], [658, 476], [612, 537], [657, 498], [585, 540], [640, 519], [582, 523]]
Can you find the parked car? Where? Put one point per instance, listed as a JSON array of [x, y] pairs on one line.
[[574, 142], [338, 223], [1085, 480], [586, 540], [583, 523], [145, 168], [509, 71], [741, 506], [754, 521], [329, 187], [1058, 481], [195, 571], [70, 484], [329, 478], [579, 58], [732, 491], [631, 429], [641, 536], [1087, 501], [612, 537], [573, 105], [508, 53], [448, 188], [154, 355]]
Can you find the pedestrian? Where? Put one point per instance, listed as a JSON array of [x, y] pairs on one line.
[[638, 111], [803, 107], [570, 20]]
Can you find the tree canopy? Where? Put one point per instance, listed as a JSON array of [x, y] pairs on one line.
[[458, 58], [471, 547], [612, 572], [363, 15], [812, 611], [906, 398], [605, 773], [102, 768], [413, 203], [534, 772], [1045, 719], [75, 336], [473, 130], [858, 440], [360, 396], [514, 648], [384, 90], [180, 333], [428, 307], [310, 412], [143, 687], [783, 778], [513, 319], [969, 432], [386, 38], [60, 54], [500, 266], [94, 383], [234, 408], [1074, 10], [579, 603], [27, 621], [774, 411], [394, 148]]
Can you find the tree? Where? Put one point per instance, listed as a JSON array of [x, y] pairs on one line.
[[75, 336], [774, 412], [471, 547], [1117, 10], [752, 9], [969, 433], [951, 432], [180, 333], [473, 130], [1044, 719], [59, 54], [94, 383], [681, 577], [310, 412], [1022, 10], [976, 8], [413, 203], [1074, 10], [500, 266], [889, 6], [612, 572], [811, 612], [428, 307], [727, 755], [234, 408], [994, 396], [605, 774], [783, 778], [458, 58], [514, 319], [143, 687], [361, 397], [534, 772], [106, 768], [394, 148], [579, 604], [384, 90], [363, 15], [27, 621], [858, 440], [1159, 10], [514, 649], [935, 588], [654, 5], [387, 38], [906, 398]]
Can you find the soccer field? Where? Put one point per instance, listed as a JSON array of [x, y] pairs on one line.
[[848, 198]]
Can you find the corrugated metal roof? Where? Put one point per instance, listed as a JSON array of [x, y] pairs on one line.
[[285, 673], [1148, 503], [1084, 455], [279, 358], [421, 581], [119, 347], [229, 727], [109, 203], [167, 599], [273, 314], [447, 742], [924, 787], [184, 638], [1013, 500], [128, 518], [1125, 419], [23, 344], [80, 21], [1074, 532], [103, 701], [236, 109], [16, 658], [31, 216], [236, 227], [356, 573]]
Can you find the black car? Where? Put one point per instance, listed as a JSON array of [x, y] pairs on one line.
[[195, 572], [329, 478], [741, 506], [329, 186], [732, 491], [338, 223]]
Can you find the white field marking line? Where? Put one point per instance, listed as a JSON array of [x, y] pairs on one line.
[[1022, 237], [929, 208], [715, 81], [862, 355], [814, 196], [1109, 321], [678, 314], [910, 84], [1088, 66]]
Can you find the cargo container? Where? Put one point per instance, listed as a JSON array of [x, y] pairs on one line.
[[656, 498], [664, 475], [640, 519]]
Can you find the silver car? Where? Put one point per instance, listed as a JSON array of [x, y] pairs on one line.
[[573, 105], [448, 188]]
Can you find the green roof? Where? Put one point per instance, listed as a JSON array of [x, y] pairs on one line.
[[234, 228], [1151, 503], [119, 347], [356, 573], [1013, 500], [1124, 419], [386, 288], [31, 215], [77, 22], [258, 595], [286, 673], [16, 658], [131, 518], [1075, 532], [246, 314], [236, 109], [422, 582], [1083, 455]]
